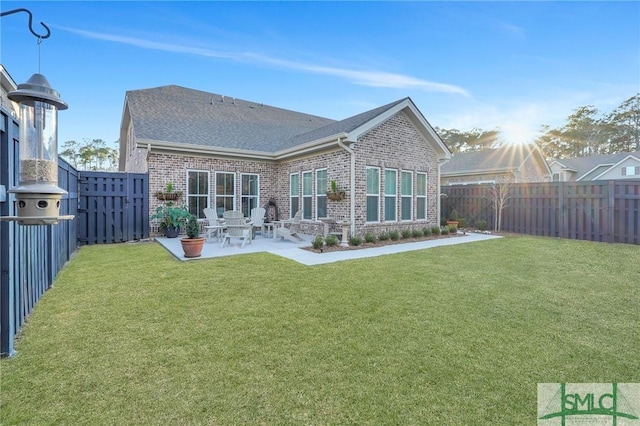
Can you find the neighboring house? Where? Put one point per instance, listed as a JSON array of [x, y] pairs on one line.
[[230, 154], [508, 164], [623, 165], [7, 85]]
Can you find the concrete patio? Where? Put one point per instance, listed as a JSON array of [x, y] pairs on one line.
[[294, 251]]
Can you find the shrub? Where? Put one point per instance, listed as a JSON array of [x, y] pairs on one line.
[[453, 229], [426, 231], [406, 233], [317, 242], [435, 230], [444, 230], [331, 240], [394, 235], [462, 222], [369, 237], [193, 227], [481, 225], [384, 236], [355, 241], [417, 233]]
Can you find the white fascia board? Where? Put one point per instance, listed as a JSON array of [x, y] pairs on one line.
[[316, 145], [185, 148], [415, 117], [313, 146], [563, 166], [478, 172], [593, 168], [6, 80]]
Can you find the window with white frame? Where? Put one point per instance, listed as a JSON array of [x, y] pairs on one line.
[[250, 190], [225, 192], [421, 196], [294, 194], [373, 194], [631, 171], [406, 191], [307, 195], [390, 195], [321, 193], [197, 192]]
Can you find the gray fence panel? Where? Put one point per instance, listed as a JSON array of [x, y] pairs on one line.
[[607, 211], [30, 256], [114, 207]]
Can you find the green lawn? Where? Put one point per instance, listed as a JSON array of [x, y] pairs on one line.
[[451, 335]]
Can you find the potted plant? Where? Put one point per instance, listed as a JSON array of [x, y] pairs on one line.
[[170, 218], [453, 218], [168, 194], [334, 193], [193, 243]]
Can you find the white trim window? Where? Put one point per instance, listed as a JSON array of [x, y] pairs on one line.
[[225, 192], [250, 192], [421, 196], [390, 195], [307, 195], [406, 194], [197, 192], [321, 193], [631, 171], [373, 194], [294, 194]]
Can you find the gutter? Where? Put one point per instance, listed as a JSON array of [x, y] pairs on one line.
[[352, 194], [184, 148], [439, 192]]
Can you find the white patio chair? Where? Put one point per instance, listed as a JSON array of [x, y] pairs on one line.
[[214, 225], [290, 228], [257, 218], [237, 227]]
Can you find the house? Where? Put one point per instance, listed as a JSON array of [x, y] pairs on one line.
[[623, 165], [7, 85], [231, 154], [508, 164]]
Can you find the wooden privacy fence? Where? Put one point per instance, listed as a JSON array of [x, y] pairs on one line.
[[30, 256], [114, 207], [606, 211]]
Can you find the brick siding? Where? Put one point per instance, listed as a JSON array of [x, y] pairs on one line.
[[395, 143]]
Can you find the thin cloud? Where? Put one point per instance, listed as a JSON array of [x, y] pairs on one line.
[[366, 78], [512, 29]]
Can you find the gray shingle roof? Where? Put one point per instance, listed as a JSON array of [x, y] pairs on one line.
[[347, 125], [181, 115], [583, 165], [500, 159]]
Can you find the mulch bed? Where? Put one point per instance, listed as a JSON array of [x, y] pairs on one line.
[[365, 245]]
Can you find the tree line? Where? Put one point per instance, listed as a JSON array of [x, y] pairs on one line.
[[91, 154], [587, 132]]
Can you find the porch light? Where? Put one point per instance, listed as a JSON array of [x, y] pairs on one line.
[[38, 195]]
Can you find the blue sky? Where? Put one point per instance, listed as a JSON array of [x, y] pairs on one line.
[[511, 66]]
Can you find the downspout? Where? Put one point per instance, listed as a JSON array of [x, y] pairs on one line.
[[353, 184], [439, 192]]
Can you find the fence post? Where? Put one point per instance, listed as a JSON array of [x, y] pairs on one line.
[[611, 211]]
